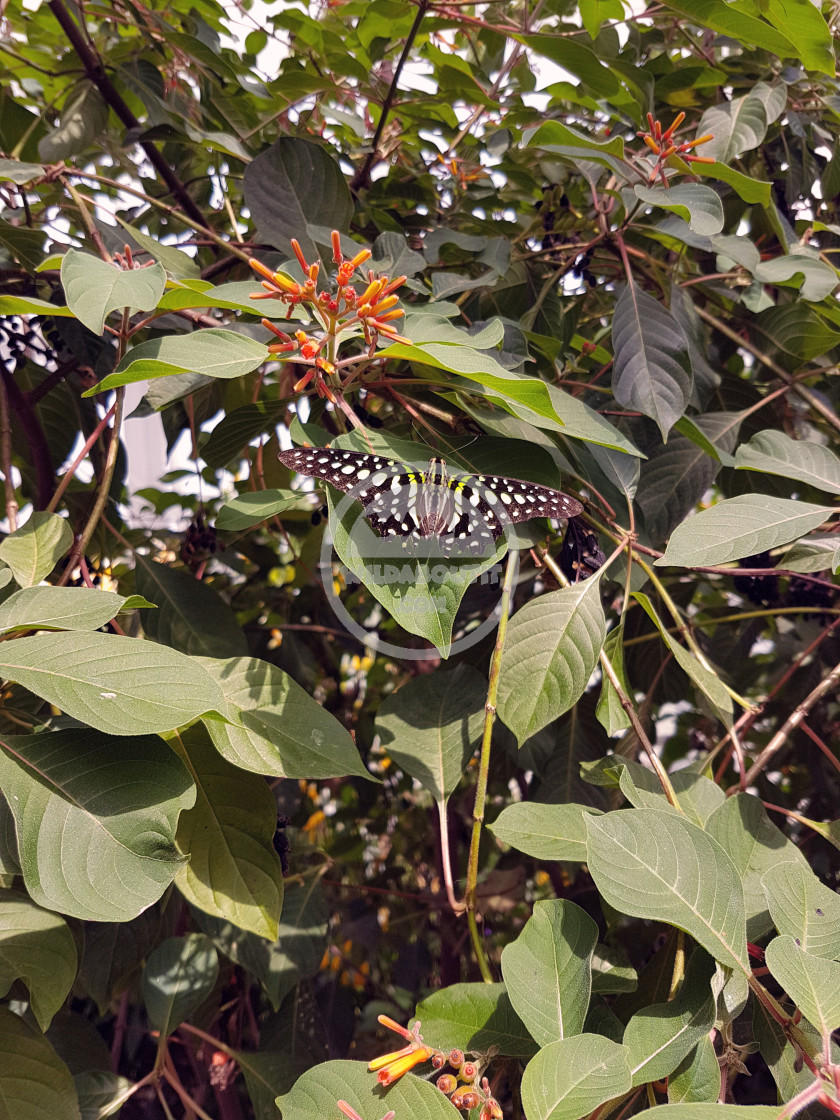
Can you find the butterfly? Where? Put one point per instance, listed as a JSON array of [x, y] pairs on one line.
[[464, 513]]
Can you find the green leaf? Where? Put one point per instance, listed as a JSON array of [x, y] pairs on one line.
[[33, 550], [474, 1017], [122, 686], [191, 616], [233, 870], [571, 1078], [709, 684], [813, 554], [700, 206], [742, 526], [274, 726], [551, 832], [236, 430], [802, 908], [34, 1082], [36, 947], [63, 608], [697, 1077], [177, 263], [431, 726], [314, 1095], [651, 863], [652, 370], [95, 819], [14, 171], [93, 288], [812, 982], [609, 712], [774, 452], [742, 828], [732, 20], [268, 1074], [803, 25], [178, 977], [737, 126], [252, 508], [296, 954], [548, 970], [83, 117], [101, 1093], [29, 305], [659, 1036], [556, 134], [818, 279], [594, 12], [551, 651], [753, 191], [212, 352], [294, 183]]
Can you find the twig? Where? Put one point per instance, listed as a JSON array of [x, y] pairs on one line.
[[96, 73], [484, 769], [362, 177], [792, 722]]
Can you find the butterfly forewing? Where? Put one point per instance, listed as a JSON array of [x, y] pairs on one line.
[[466, 514]]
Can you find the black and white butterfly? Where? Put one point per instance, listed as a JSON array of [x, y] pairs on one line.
[[465, 513]]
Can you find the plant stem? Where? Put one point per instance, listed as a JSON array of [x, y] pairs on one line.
[[484, 769]]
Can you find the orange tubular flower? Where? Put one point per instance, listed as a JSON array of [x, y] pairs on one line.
[[392, 1066]]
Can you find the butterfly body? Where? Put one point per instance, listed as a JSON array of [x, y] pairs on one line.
[[466, 513]]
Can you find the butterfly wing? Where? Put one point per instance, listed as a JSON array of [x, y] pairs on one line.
[[521, 501]]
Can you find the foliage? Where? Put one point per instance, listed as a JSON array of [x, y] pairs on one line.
[[260, 788]]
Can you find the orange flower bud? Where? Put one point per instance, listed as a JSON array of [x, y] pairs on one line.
[[384, 304], [338, 257], [262, 269], [299, 254], [651, 143], [456, 1058], [446, 1083], [675, 124], [386, 1021], [371, 291]]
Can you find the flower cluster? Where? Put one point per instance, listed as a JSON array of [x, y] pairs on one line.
[[338, 308], [661, 143], [462, 1086]]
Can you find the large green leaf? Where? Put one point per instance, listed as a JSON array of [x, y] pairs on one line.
[[191, 616], [774, 452], [122, 686], [812, 982], [754, 844], [233, 870], [699, 205], [33, 550], [252, 508], [553, 832], [652, 369], [211, 352], [34, 1082], [178, 977], [314, 1095], [571, 1078], [294, 183], [36, 946], [551, 650], [548, 970], [275, 727], [802, 907], [474, 1017], [63, 608], [653, 864], [95, 819], [432, 725], [742, 526], [659, 1036], [94, 289]]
